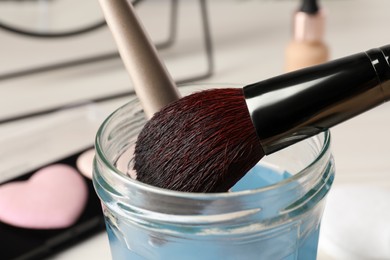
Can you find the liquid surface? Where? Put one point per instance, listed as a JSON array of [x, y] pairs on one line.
[[260, 176]]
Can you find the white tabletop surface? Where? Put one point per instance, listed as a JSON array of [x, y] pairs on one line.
[[249, 39]]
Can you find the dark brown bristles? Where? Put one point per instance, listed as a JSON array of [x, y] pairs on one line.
[[204, 142]]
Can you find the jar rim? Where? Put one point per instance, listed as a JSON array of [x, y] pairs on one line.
[[127, 181]]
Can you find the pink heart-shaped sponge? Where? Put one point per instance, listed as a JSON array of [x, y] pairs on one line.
[[54, 197]]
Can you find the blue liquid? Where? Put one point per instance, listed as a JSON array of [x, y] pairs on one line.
[[135, 242], [260, 176]]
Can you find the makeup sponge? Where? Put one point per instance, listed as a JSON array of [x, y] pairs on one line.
[[84, 163], [356, 222], [54, 197]]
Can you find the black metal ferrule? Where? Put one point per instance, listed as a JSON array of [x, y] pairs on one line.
[[294, 106]]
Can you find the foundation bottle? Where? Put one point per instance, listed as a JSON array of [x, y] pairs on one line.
[[307, 47]]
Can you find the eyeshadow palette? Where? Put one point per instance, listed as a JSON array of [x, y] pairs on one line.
[[47, 210]]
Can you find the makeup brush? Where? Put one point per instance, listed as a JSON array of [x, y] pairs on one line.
[[207, 141], [152, 83], [307, 47]]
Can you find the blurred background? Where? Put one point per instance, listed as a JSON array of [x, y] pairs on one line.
[[60, 76]]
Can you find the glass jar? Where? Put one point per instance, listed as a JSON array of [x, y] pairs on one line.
[[277, 220]]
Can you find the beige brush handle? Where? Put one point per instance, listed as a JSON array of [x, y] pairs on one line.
[[152, 83]]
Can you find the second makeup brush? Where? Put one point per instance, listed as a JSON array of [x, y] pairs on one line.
[[152, 83]]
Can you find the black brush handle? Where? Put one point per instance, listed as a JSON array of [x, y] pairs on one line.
[[294, 106]]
